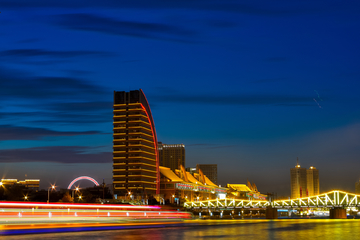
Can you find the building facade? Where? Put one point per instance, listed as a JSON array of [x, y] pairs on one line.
[[304, 182], [171, 155], [135, 154], [210, 170], [313, 185], [32, 184], [243, 191], [298, 182], [181, 186]]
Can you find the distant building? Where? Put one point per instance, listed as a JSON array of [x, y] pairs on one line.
[[181, 186], [304, 182], [357, 187], [191, 170], [313, 185], [135, 154], [243, 191], [32, 184], [210, 170], [298, 182], [171, 155]]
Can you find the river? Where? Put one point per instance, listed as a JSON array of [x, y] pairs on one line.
[[304, 229]]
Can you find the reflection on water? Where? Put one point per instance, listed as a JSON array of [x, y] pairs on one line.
[[232, 229]]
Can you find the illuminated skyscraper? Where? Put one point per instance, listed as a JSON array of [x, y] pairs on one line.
[[304, 182], [298, 182], [313, 185], [135, 155], [171, 155]]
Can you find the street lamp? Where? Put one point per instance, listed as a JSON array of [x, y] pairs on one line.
[[129, 194], [80, 198], [25, 198], [77, 189], [52, 188]]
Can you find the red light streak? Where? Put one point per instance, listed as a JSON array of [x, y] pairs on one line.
[[73, 205]]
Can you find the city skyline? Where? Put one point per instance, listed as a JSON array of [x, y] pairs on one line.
[[249, 86]]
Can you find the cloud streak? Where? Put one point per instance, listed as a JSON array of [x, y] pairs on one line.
[[258, 7], [57, 154], [48, 53], [10, 132], [16, 84], [94, 23]]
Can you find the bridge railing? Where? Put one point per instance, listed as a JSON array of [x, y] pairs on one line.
[[330, 199]]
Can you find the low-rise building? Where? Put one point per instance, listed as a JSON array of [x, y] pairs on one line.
[[32, 184], [181, 186], [243, 191]]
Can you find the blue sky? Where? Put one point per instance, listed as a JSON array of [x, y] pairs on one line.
[[249, 85]]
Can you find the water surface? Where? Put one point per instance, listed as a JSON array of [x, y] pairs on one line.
[[305, 229]]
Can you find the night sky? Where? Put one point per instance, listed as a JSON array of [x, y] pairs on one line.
[[248, 85]]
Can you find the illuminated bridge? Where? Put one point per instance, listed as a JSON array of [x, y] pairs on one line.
[[333, 199]]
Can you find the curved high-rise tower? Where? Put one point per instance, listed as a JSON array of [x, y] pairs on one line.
[[135, 155]]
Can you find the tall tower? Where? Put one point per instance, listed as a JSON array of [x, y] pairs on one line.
[[298, 182], [313, 184], [171, 155], [135, 155]]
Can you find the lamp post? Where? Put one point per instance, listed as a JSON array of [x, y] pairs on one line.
[[2, 188], [77, 189], [52, 188], [129, 194]]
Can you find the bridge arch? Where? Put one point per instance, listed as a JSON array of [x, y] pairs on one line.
[[82, 178]]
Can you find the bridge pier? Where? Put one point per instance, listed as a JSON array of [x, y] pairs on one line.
[[271, 213], [338, 213]]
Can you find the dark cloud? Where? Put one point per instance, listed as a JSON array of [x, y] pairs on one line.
[[10, 132], [47, 53], [94, 23], [16, 84], [277, 7], [63, 118], [58, 154], [257, 7], [61, 100], [239, 99]]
